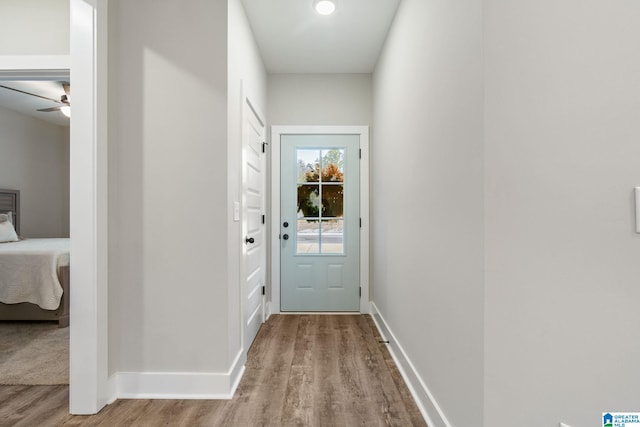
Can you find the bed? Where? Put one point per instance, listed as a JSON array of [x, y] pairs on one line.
[[34, 273]]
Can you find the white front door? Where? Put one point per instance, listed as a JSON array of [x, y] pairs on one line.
[[320, 222], [253, 222]]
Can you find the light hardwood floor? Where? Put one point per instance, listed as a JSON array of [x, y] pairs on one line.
[[302, 370]]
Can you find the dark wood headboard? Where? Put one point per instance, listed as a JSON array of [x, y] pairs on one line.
[[10, 202]]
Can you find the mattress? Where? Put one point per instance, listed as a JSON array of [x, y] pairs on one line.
[[29, 271]]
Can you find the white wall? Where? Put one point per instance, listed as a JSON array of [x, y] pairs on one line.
[[319, 99], [427, 194], [245, 68], [34, 158], [168, 174], [34, 27], [38, 29], [562, 262]]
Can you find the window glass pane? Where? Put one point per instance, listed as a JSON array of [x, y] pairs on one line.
[[332, 200], [332, 236], [333, 165], [320, 200], [308, 165], [308, 236], [308, 200]]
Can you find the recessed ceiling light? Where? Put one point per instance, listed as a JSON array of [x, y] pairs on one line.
[[324, 7]]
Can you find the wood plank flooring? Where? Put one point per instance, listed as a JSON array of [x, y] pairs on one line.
[[302, 370]]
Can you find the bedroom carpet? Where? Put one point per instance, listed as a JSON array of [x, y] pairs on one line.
[[33, 353]]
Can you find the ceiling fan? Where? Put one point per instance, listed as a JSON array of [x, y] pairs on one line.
[[65, 100]]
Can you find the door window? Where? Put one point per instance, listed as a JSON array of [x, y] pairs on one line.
[[321, 191]]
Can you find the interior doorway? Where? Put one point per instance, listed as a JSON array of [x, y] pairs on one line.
[[34, 174]]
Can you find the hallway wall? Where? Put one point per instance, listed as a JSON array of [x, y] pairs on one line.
[[246, 73], [35, 27], [319, 99], [562, 260], [427, 194], [560, 107], [168, 177]]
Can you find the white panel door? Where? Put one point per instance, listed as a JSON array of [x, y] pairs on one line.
[[254, 236], [320, 222]]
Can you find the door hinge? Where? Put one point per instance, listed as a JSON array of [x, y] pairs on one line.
[[360, 222], [263, 290], [360, 291], [360, 154], [263, 219], [264, 147]]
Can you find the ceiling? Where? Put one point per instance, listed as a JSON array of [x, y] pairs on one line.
[[28, 105], [293, 38]]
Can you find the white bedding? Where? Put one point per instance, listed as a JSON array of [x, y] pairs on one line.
[[28, 271]]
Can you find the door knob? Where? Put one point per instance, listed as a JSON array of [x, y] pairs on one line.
[[285, 236], [249, 240]]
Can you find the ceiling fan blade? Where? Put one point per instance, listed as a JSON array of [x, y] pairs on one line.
[[48, 110], [32, 94]]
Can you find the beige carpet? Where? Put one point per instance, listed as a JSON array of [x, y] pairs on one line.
[[33, 354]]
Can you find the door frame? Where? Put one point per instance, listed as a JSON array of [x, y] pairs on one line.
[[90, 388], [276, 133], [86, 66]]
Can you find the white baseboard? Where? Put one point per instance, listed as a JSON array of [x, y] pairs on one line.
[[111, 387], [267, 310], [427, 404], [177, 385]]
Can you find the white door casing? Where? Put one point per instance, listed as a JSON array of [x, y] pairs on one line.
[[86, 66], [254, 245], [276, 134], [89, 387]]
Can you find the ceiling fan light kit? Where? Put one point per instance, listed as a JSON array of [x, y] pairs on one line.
[[324, 7], [65, 102]]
